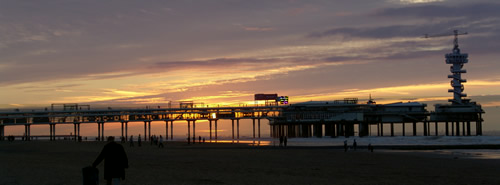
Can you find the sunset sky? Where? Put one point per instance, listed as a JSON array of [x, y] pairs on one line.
[[224, 51]]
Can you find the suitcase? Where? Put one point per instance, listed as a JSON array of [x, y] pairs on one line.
[[90, 175]]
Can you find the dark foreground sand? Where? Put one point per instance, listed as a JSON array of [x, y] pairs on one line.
[[60, 162]]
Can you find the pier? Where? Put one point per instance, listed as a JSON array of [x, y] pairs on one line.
[[341, 118], [102, 117]]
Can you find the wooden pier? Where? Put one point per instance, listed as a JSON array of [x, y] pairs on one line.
[[124, 116], [308, 119]]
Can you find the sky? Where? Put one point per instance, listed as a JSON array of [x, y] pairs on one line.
[[139, 53]]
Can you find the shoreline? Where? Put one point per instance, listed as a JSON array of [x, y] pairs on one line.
[[270, 144], [60, 162]]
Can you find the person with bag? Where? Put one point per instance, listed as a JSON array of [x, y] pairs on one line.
[[115, 162]]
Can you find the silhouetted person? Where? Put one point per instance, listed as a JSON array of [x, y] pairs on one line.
[[115, 161], [131, 141], [199, 139], [139, 140], [194, 140], [345, 145], [160, 145], [370, 147], [354, 145]]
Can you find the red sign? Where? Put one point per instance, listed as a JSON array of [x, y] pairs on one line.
[[266, 96]]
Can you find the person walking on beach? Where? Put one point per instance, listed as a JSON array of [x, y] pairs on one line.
[[354, 145], [139, 140], [160, 145], [345, 145], [131, 141], [115, 161]]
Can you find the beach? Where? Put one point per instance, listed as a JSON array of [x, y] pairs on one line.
[[60, 162]]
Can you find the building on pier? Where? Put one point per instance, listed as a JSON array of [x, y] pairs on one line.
[[339, 118]]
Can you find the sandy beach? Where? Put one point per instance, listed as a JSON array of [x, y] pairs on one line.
[[60, 162]]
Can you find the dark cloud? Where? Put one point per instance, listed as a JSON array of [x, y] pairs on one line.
[[478, 18], [480, 10], [235, 63], [391, 31]]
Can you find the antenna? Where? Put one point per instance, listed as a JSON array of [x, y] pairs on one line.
[[455, 41]]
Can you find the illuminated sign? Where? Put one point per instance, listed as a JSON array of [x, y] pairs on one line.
[[266, 96], [282, 99]]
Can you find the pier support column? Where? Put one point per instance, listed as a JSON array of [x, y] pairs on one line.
[[232, 129], [436, 128], [149, 130], [328, 129], [468, 128], [447, 130], [334, 130], [123, 136], [425, 128], [210, 126], [2, 132], [349, 130], [318, 130], [378, 129], [54, 131], [166, 130], [428, 128], [238, 130], [98, 131], [171, 130], [102, 132], [253, 127], [452, 129], [74, 129], [480, 125], [215, 131], [79, 132], [457, 128], [414, 128], [381, 129], [340, 129], [189, 132], [27, 132], [392, 129], [363, 129], [403, 126], [463, 128], [194, 131], [145, 130], [258, 129], [126, 131], [50, 133]]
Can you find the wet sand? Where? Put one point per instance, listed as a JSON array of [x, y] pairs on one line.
[[60, 162]]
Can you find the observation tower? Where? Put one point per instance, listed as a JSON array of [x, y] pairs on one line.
[[461, 111], [457, 61]]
